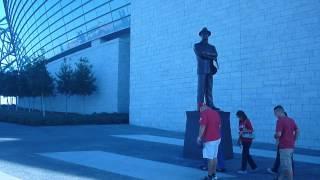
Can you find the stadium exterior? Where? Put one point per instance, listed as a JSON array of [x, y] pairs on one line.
[[53, 27], [142, 56], [60, 29]]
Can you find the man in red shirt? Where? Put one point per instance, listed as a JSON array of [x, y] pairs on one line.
[[209, 133], [286, 135]]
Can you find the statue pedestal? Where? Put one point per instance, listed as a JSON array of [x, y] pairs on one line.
[[192, 150]]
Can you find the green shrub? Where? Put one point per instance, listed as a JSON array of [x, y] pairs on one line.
[[35, 118]]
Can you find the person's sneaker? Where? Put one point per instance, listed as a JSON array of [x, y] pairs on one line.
[[204, 168], [210, 178], [255, 170], [242, 172], [207, 178], [270, 170], [221, 169]]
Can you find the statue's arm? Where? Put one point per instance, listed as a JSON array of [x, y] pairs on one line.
[[202, 54], [206, 55], [212, 55], [197, 52]]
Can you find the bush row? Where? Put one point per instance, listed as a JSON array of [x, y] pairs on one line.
[[35, 118]]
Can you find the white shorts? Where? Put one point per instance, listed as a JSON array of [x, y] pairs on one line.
[[210, 149]]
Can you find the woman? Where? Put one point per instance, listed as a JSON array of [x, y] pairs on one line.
[[246, 137]]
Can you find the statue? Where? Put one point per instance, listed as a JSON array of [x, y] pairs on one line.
[[207, 67]]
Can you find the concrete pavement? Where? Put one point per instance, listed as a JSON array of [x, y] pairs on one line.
[[112, 152]]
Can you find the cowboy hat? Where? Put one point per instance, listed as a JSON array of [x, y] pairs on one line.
[[204, 30]]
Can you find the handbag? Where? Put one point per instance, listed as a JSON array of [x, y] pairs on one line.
[[247, 134]]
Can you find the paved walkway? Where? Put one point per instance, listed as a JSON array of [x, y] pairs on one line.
[[313, 159], [116, 152]]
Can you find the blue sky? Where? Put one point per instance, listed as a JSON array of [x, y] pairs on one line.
[[2, 14]]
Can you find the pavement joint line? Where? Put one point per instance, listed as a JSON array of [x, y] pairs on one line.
[[254, 151], [5, 176], [6, 139]]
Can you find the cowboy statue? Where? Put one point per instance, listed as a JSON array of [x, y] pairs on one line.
[[207, 67]]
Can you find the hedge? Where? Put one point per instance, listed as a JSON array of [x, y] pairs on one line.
[[34, 118]]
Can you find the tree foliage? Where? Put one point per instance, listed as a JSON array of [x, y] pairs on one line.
[[65, 79], [34, 80], [84, 79]]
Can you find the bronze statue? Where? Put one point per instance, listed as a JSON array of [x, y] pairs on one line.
[[207, 67]]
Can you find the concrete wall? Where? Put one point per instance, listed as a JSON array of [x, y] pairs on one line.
[[268, 52], [110, 62], [124, 74]]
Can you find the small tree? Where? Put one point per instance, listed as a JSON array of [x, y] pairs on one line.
[[65, 81], [29, 78], [84, 80], [43, 84], [32, 76], [10, 81]]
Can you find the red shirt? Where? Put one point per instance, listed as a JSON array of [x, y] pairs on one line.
[[245, 125], [212, 122], [288, 128]]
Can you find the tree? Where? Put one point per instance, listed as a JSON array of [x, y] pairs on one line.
[[10, 81], [39, 78], [65, 81], [28, 83], [12, 84], [25, 83], [43, 85], [84, 80]]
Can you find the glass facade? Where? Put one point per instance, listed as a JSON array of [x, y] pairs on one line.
[[54, 26]]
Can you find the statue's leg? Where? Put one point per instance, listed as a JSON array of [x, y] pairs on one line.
[[208, 90], [201, 88]]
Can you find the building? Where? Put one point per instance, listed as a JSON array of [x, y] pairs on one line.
[[268, 53], [68, 30]]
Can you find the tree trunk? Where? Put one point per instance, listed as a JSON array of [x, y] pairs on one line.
[[42, 107], [66, 104], [17, 102], [8, 103], [1, 101], [29, 100], [84, 104], [33, 103]]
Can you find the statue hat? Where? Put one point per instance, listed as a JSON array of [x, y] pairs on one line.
[[204, 30]]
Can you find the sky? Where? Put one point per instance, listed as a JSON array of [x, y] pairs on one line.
[[2, 14]]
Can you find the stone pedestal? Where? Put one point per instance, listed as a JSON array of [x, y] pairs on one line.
[[192, 150]]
